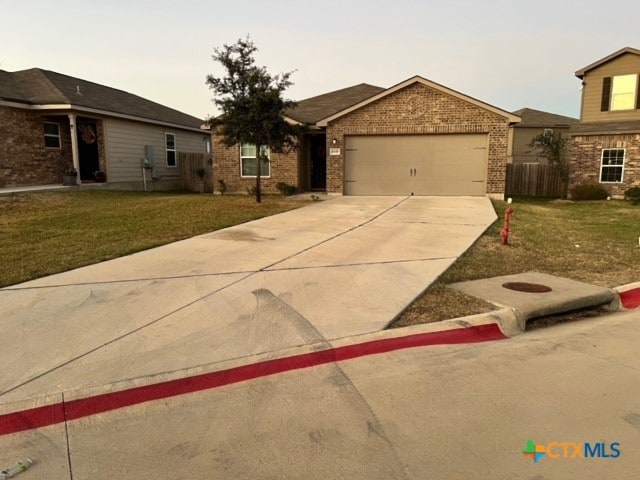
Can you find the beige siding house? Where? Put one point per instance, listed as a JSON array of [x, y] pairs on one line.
[[53, 123], [535, 122], [415, 138], [125, 149], [605, 145]]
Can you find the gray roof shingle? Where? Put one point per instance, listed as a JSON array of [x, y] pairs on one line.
[[311, 110], [43, 87], [538, 118], [600, 128]]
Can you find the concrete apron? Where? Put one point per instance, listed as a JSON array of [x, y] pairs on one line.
[[343, 267], [562, 295]]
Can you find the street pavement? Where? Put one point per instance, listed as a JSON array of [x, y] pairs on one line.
[[440, 411]]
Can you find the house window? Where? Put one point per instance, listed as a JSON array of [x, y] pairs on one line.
[[51, 135], [548, 131], [170, 142], [249, 163], [612, 165], [620, 93]]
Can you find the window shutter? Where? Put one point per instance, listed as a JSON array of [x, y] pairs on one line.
[[638, 94], [606, 94]]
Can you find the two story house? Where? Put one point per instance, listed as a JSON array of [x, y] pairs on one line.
[[605, 145]]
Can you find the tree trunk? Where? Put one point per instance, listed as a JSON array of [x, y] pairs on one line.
[[259, 160], [566, 178]]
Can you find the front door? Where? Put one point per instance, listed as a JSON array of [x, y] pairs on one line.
[[88, 149], [318, 163]]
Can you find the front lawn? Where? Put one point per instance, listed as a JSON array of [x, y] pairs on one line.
[[593, 242], [46, 233]]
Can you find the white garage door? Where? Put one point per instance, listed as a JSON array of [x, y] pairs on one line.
[[416, 164]]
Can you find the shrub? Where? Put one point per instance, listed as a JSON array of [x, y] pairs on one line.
[[286, 189], [589, 191], [633, 194]]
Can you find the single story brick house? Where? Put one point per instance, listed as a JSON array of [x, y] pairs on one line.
[[534, 122], [605, 145], [51, 122], [415, 138]]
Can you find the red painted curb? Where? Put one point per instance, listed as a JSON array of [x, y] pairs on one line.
[[631, 298], [57, 413]]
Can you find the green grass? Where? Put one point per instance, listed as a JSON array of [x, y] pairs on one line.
[[46, 233], [593, 242]]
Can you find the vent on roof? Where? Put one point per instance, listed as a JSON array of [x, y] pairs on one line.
[[78, 90]]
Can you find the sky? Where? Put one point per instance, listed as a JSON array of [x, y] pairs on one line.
[[510, 54]]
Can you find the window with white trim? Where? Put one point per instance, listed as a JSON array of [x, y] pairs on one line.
[[612, 165], [249, 162], [52, 135], [170, 144]]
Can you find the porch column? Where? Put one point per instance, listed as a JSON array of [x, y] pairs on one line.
[[74, 146]]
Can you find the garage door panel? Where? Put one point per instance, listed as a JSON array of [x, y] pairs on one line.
[[418, 164]]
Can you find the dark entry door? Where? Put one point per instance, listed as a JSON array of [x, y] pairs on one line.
[[88, 149], [318, 165]]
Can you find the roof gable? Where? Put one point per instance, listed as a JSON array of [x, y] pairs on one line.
[[411, 81], [538, 118], [582, 72], [43, 87], [310, 110]]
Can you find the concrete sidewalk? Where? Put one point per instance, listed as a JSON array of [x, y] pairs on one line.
[[339, 268]]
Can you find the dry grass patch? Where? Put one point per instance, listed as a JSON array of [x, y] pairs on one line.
[[46, 233], [592, 242]]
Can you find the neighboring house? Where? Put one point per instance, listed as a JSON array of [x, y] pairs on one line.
[[51, 121], [417, 137], [605, 144], [535, 122]]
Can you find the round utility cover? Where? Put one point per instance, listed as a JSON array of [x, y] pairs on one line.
[[526, 287]]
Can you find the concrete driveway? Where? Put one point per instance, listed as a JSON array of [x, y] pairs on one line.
[[334, 269]]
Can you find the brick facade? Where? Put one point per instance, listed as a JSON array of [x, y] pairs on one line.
[[415, 109], [586, 157], [419, 109], [24, 160], [226, 167]]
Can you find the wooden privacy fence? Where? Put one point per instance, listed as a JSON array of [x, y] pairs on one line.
[[533, 180], [192, 165]]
